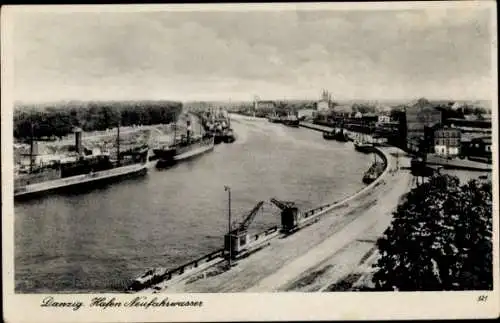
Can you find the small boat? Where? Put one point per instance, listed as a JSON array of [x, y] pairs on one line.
[[335, 135], [363, 147], [329, 135], [150, 277], [274, 119], [375, 170], [373, 173], [291, 123]]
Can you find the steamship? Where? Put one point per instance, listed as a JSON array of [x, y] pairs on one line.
[[187, 147], [291, 121], [80, 167]]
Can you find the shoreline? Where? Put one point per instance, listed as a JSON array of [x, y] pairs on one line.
[[457, 164], [204, 280]]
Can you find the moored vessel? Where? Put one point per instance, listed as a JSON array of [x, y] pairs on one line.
[[375, 170], [187, 147], [78, 168], [362, 145], [336, 135], [291, 121], [274, 118], [229, 136]]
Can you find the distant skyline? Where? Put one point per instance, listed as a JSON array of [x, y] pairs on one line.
[[221, 55]]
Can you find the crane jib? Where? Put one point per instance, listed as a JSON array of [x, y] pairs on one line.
[[249, 217]]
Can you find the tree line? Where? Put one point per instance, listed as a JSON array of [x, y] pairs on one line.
[[60, 120], [440, 239]]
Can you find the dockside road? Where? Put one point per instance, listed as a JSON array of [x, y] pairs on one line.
[[328, 249]]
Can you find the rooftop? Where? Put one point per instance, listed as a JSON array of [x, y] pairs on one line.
[[342, 108]]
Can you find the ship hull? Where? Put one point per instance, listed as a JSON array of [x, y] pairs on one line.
[[364, 148], [274, 120], [328, 136], [338, 137], [194, 153], [229, 139], [164, 154], [218, 139], [190, 154], [82, 182], [368, 180], [294, 123]]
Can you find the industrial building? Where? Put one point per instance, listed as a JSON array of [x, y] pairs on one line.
[[447, 141], [421, 118], [264, 105], [477, 148]]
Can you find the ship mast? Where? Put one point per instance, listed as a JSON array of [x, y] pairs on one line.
[[175, 129], [118, 143], [31, 147]]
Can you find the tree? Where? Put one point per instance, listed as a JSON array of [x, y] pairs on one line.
[[440, 239]]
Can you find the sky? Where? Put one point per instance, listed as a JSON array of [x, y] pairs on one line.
[[237, 55]]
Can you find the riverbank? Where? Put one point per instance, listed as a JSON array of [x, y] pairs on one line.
[[455, 163], [121, 241], [289, 258]]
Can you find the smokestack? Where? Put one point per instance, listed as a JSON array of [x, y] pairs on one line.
[[189, 130], [35, 148], [78, 140]]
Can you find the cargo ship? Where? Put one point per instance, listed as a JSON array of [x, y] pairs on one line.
[[80, 167], [218, 125], [189, 146]]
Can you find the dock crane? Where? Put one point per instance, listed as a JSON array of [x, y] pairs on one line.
[[239, 235], [290, 215]]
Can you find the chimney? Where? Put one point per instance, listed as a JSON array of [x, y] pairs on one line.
[[35, 148], [78, 140]]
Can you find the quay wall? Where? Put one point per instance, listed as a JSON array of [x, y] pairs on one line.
[[363, 192], [204, 261], [470, 165], [217, 256], [316, 127]]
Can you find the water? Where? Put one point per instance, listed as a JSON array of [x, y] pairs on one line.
[[98, 240]]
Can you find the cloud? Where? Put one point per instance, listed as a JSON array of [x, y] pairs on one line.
[[191, 55]]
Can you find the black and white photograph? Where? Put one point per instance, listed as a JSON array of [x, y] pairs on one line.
[[155, 156]]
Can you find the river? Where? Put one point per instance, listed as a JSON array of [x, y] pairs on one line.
[[96, 241]]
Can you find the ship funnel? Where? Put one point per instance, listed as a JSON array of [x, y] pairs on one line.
[[78, 140], [35, 148]]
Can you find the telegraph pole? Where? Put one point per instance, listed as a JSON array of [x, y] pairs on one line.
[[228, 190]]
